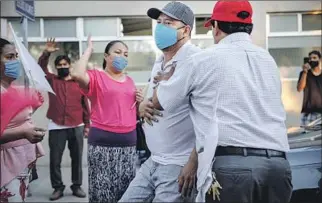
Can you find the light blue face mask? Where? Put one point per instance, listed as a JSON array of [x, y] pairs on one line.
[[12, 69], [165, 36], [119, 63]]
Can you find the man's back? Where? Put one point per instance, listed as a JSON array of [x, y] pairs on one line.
[[250, 111], [243, 83]]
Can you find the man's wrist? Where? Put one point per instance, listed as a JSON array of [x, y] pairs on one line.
[[193, 156]]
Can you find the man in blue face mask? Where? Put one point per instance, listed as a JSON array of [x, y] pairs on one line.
[[169, 174]]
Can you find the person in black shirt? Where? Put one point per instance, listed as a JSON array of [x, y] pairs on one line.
[[310, 81]]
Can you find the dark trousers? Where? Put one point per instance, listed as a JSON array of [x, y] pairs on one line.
[[252, 179], [57, 143]]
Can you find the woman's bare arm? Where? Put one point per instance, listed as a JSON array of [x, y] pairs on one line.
[[79, 71], [10, 136]]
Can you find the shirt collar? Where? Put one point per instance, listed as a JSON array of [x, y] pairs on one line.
[[235, 37], [179, 55]]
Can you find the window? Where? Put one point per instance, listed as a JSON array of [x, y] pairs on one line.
[[60, 27], [137, 26], [200, 28], [311, 22], [295, 22], [70, 49], [141, 58], [33, 27], [283, 22], [100, 26]]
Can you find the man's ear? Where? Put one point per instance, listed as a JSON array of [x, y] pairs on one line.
[[188, 31], [215, 29]]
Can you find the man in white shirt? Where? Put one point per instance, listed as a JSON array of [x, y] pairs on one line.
[[234, 91], [169, 174]]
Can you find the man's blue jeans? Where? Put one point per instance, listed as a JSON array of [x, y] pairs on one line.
[[155, 182]]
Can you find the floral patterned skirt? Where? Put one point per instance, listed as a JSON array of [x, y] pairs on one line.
[[110, 171], [16, 190]]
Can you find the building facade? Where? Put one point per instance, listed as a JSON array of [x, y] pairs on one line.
[[288, 29]]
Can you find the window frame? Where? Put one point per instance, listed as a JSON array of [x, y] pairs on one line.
[[299, 31], [194, 31], [42, 28], [305, 13], [133, 17]]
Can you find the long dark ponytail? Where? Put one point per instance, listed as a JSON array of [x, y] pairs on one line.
[[108, 47]]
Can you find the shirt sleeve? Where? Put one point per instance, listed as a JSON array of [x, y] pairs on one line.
[[204, 93], [86, 111], [92, 85], [196, 81]]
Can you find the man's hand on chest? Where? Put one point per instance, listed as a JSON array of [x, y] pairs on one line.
[[165, 74]]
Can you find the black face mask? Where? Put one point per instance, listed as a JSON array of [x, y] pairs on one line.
[[63, 72], [314, 64]]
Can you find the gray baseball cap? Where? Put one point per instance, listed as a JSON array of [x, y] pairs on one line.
[[175, 10]]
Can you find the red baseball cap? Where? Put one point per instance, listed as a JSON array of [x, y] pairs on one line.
[[228, 10]]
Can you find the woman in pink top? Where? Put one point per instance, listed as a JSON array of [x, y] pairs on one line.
[[17, 151], [112, 136]]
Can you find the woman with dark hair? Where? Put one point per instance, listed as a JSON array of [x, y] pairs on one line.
[[19, 138], [112, 137]]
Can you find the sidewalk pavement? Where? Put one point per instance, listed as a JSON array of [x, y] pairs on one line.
[[41, 188]]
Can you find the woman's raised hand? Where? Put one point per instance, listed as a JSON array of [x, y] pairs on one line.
[[89, 43]]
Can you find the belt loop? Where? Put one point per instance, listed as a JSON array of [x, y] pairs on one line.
[[268, 154], [245, 151]]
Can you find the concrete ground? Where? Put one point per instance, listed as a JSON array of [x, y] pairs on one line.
[[41, 188]]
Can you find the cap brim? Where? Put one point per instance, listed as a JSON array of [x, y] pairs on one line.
[[208, 23], [154, 13]]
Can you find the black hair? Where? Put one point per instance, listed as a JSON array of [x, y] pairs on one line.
[[233, 27], [109, 46], [3, 43], [315, 52], [62, 57]]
